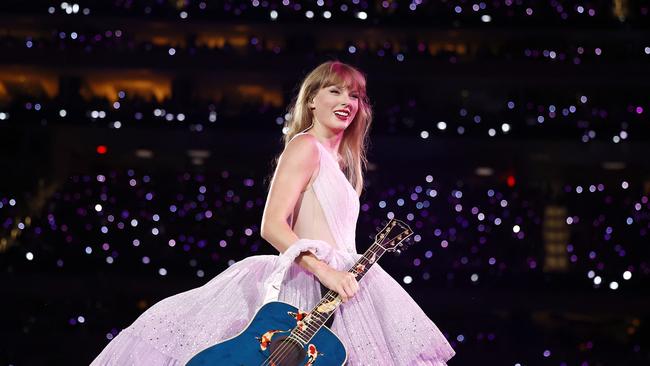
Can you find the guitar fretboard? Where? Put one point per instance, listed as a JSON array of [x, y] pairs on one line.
[[315, 319]]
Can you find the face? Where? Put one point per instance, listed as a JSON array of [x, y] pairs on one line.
[[335, 107]]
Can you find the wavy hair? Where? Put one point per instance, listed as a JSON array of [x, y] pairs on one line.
[[354, 144]]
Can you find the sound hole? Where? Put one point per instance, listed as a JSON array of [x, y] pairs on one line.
[[286, 352]]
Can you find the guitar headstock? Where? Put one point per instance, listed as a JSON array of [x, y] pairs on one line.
[[393, 236]]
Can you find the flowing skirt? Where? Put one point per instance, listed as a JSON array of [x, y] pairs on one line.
[[380, 325]]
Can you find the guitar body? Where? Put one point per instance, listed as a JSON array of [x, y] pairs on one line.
[[265, 335], [273, 336]]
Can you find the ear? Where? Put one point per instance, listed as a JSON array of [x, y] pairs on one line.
[[311, 104]]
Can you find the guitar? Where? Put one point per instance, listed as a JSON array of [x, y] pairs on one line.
[[282, 335]]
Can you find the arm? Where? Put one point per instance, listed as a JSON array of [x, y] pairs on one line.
[[295, 168]]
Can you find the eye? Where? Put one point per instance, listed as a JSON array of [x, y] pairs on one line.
[[334, 90]]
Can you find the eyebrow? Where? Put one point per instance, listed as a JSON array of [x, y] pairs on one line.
[[343, 87]]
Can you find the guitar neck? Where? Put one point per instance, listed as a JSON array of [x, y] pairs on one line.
[[331, 301], [359, 269]]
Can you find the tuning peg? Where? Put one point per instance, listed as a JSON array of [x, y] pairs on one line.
[[398, 251]]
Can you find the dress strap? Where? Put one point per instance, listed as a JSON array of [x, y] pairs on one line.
[[298, 134]]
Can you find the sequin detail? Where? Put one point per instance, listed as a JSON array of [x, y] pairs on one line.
[[373, 332]]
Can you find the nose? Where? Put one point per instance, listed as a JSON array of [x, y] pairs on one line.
[[348, 98]]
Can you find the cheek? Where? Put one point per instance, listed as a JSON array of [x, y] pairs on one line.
[[323, 115], [324, 104], [356, 110]]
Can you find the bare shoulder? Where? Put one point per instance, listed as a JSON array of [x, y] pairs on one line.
[[302, 150]]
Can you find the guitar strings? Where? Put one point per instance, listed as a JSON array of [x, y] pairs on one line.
[[280, 352], [284, 350], [330, 293]]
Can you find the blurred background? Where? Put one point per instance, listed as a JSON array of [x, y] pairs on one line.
[[137, 141]]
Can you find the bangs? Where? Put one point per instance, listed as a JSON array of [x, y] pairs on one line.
[[343, 75]]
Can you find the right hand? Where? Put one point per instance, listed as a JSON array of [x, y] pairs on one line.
[[343, 283]]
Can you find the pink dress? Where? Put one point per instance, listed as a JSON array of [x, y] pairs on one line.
[[380, 325]]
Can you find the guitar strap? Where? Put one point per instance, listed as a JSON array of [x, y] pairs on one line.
[[323, 291]]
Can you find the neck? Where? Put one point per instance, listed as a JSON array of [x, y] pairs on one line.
[[328, 138]]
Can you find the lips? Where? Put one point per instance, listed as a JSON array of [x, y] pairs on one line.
[[342, 114]]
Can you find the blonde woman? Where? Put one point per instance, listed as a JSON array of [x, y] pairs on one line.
[[310, 218]]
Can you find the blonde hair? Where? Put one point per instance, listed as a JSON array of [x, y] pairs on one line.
[[354, 144]]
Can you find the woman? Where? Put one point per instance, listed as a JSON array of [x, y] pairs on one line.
[[310, 218]]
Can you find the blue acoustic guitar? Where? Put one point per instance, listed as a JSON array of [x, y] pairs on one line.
[[281, 335]]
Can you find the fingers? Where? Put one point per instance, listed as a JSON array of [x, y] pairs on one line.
[[348, 287], [343, 292], [344, 298], [355, 284], [343, 283], [351, 285]]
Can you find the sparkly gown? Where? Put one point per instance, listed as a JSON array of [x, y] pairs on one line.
[[380, 325]]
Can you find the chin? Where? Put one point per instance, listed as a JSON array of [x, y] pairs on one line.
[[339, 126]]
